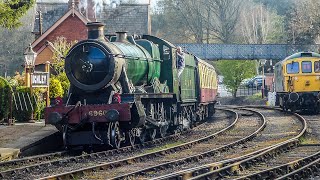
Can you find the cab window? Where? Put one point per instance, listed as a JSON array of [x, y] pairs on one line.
[[317, 66], [306, 66], [293, 68]]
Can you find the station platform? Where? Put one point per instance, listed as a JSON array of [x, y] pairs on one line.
[[23, 139]]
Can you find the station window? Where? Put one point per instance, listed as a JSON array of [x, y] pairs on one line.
[[317, 66], [306, 66], [293, 68]]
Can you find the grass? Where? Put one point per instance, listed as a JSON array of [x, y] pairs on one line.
[[308, 140], [256, 96], [163, 147]]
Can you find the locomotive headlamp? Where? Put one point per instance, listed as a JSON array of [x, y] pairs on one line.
[[112, 115]]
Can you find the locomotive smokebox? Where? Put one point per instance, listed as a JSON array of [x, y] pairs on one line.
[[95, 30]]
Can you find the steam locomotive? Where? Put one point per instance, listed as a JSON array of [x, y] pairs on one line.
[[126, 90]]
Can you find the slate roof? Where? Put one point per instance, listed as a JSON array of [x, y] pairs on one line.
[[51, 12]]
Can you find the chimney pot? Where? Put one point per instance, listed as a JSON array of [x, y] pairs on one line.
[[122, 36], [95, 30]]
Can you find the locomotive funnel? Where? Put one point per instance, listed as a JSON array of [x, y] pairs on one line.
[[122, 36], [95, 30]]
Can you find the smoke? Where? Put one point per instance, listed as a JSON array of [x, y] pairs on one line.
[[96, 5]]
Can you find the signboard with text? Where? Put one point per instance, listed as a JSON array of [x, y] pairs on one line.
[[40, 79]]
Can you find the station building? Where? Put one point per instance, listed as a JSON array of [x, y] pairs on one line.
[[68, 20]]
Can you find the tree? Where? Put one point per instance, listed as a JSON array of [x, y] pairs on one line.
[[234, 71], [198, 21], [304, 22], [61, 49], [223, 16], [260, 25], [12, 10], [14, 43]]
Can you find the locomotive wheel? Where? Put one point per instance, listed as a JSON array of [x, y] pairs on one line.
[[130, 137], [162, 131], [115, 135], [64, 136], [142, 136], [152, 134]]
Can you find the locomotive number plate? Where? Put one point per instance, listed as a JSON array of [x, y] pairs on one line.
[[97, 113]]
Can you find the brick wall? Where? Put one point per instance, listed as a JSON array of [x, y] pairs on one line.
[[72, 29], [134, 18], [44, 56]]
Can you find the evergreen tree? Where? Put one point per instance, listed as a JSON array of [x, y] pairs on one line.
[[12, 10]]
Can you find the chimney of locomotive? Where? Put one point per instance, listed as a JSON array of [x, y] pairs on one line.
[[95, 30], [122, 36]]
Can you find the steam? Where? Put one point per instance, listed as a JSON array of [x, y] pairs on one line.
[[97, 5]]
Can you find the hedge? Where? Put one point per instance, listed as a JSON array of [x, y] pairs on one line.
[[5, 97]]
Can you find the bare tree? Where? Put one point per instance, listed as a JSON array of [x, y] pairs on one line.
[[260, 25], [201, 20], [304, 22], [224, 16]]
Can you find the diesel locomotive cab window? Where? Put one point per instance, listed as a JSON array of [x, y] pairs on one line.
[[306, 66], [293, 68], [317, 66]]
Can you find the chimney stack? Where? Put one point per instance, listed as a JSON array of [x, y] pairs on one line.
[[122, 36], [95, 30]]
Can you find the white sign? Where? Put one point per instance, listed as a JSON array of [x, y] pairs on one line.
[[40, 79]]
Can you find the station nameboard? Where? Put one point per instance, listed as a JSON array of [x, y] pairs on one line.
[[40, 79]]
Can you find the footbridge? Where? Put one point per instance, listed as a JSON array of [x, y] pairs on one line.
[[246, 51]]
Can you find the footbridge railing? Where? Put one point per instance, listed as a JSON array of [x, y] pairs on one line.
[[246, 51]]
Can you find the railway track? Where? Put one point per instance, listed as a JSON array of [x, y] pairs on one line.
[[257, 145], [132, 163], [37, 169], [301, 161], [231, 167]]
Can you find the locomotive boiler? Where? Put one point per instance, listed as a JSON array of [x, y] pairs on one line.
[[126, 89]]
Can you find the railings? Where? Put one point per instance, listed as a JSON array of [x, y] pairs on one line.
[[246, 51]]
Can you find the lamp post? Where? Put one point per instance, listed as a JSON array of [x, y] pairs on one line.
[[29, 60], [263, 62]]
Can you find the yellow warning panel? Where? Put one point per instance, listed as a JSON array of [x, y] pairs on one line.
[[7, 154]]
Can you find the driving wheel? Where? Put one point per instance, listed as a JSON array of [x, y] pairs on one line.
[[115, 135]]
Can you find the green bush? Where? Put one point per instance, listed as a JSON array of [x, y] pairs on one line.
[[62, 77], [56, 89], [5, 97]]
